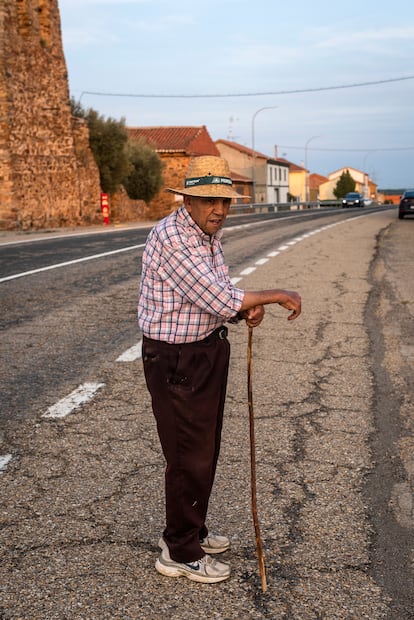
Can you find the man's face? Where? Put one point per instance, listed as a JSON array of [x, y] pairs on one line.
[[208, 213]]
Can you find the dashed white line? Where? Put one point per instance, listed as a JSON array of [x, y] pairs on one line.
[[75, 400], [247, 271], [4, 461], [132, 354], [87, 391]]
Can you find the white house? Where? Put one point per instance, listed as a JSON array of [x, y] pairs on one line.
[[270, 176], [363, 183]]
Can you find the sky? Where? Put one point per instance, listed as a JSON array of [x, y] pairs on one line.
[[323, 83]]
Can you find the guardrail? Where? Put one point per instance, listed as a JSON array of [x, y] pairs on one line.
[[273, 207]]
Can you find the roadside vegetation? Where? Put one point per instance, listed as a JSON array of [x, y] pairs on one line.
[[121, 161]]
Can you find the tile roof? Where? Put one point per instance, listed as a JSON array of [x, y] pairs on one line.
[[316, 179], [187, 140], [241, 148], [391, 192], [240, 177], [292, 167]]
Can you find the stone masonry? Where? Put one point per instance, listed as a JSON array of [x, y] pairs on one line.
[[48, 176]]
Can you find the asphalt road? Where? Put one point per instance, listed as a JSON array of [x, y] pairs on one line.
[[82, 496], [61, 325]]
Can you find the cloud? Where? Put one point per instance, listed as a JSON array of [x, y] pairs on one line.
[[365, 38], [163, 23], [76, 38], [261, 55]]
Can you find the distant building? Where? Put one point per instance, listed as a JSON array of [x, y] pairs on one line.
[[297, 181], [390, 196], [363, 184], [315, 181], [269, 176], [175, 146]]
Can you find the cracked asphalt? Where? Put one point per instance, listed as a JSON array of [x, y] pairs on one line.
[[82, 502]]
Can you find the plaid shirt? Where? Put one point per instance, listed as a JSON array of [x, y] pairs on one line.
[[186, 291]]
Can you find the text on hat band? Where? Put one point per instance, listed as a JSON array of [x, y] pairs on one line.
[[210, 180]]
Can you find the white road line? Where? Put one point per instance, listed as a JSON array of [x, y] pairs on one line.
[[86, 392], [74, 401], [83, 233], [247, 271], [71, 262], [132, 354], [4, 461]]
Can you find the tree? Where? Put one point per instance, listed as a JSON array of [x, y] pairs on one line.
[[144, 179], [133, 164], [108, 141], [344, 185]]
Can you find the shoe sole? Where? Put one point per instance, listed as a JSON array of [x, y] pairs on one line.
[[170, 571], [210, 550]]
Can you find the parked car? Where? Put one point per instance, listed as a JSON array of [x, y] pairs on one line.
[[353, 199], [406, 204]]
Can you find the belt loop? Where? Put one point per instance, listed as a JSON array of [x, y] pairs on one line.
[[222, 332]]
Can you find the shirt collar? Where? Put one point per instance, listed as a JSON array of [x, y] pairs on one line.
[[188, 221]]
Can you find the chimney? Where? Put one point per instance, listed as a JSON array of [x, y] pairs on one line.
[[275, 151]]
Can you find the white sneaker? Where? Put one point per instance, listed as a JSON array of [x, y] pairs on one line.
[[206, 570], [212, 543]]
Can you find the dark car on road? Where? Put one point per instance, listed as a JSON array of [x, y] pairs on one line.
[[406, 204], [353, 199]]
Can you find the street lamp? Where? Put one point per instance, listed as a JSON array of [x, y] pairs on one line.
[[271, 107], [365, 186], [306, 168]]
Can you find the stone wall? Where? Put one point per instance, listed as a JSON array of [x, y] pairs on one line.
[[125, 209], [48, 176], [175, 168]]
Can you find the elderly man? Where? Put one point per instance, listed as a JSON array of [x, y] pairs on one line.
[[186, 297]]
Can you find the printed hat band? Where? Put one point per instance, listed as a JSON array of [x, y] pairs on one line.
[[209, 180]]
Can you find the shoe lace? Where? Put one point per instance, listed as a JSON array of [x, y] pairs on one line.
[[206, 559]]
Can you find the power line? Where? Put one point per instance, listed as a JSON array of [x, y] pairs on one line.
[[397, 148], [217, 95]]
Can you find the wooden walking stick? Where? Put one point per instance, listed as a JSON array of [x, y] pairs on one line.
[[259, 545]]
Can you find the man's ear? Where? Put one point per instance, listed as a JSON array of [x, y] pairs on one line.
[[187, 203]]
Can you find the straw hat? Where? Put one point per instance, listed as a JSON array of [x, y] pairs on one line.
[[207, 176]]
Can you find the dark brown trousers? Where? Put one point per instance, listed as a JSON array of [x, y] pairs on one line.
[[187, 383]]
